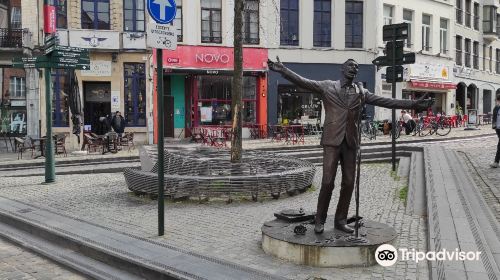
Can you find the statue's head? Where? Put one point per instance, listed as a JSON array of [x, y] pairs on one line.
[[350, 68]]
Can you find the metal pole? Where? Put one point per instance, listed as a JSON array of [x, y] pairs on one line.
[[161, 182], [50, 174], [393, 144]]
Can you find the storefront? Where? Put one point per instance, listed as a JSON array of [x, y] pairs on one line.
[[288, 103], [296, 105], [429, 81], [198, 86], [13, 118]]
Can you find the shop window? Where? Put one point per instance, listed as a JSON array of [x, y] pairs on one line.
[[133, 15], [60, 89], [177, 22], [289, 22], [322, 23], [95, 14], [251, 22], [13, 102], [353, 24], [61, 13], [135, 94], [214, 100], [296, 105], [211, 26]]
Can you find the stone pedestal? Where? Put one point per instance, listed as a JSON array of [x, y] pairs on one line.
[[332, 248]]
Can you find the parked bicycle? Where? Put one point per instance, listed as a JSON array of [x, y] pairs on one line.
[[441, 127], [370, 129]]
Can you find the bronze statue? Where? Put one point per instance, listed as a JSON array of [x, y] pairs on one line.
[[343, 101]]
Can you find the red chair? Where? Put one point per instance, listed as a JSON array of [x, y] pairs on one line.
[[465, 119]]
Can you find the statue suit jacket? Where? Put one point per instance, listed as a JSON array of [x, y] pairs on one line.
[[343, 110]]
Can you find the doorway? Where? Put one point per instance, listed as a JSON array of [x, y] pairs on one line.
[[168, 108], [97, 96], [486, 101]]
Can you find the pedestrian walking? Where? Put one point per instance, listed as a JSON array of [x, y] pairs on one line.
[[496, 126]]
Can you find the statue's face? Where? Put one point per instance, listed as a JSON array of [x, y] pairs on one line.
[[350, 69]]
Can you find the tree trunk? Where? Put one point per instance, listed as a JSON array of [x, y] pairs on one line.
[[237, 90]]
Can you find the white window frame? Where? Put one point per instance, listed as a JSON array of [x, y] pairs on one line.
[[409, 41], [426, 34], [17, 87], [443, 36], [388, 19]]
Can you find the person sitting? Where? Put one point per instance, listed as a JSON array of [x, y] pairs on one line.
[[118, 123], [408, 122]]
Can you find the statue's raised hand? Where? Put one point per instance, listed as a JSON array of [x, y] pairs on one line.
[[422, 104], [275, 66]]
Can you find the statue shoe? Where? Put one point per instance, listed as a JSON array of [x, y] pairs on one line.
[[343, 227], [319, 228]]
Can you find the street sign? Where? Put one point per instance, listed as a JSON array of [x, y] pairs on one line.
[[395, 32], [70, 60], [162, 11], [389, 74], [70, 54], [161, 36], [65, 49]]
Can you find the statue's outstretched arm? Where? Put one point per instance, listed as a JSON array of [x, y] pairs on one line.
[[312, 85]]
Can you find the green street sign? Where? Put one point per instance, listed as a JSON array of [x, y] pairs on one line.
[[83, 55], [65, 49], [70, 60], [23, 65]]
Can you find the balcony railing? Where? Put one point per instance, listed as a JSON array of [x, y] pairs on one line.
[[11, 38]]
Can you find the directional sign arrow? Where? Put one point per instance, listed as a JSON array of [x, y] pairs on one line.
[[381, 61]]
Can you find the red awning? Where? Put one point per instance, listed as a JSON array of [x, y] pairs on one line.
[[431, 85]]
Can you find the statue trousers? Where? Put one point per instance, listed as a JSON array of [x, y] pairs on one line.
[[331, 157]]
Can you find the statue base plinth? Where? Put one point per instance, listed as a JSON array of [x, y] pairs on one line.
[[332, 248]]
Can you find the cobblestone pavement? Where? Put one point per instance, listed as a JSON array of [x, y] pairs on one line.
[[227, 231], [477, 155], [17, 263]]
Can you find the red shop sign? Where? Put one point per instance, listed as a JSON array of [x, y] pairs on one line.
[[420, 84], [200, 57], [49, 19]]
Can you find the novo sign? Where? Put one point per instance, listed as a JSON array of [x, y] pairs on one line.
[[212, 57]]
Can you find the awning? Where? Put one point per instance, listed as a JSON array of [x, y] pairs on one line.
[[432, 85]]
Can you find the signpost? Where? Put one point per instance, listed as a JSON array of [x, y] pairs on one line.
[[161, 36], [55, 57], [394, 34]]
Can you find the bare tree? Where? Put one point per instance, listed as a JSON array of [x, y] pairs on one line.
[[237, 90]]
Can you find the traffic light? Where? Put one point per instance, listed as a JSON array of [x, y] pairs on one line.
[[395, 34]]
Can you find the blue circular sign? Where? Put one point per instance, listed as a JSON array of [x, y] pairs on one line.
[[162, 11]]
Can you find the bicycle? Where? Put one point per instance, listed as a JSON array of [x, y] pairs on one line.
[[441, 127], [369, 129]]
